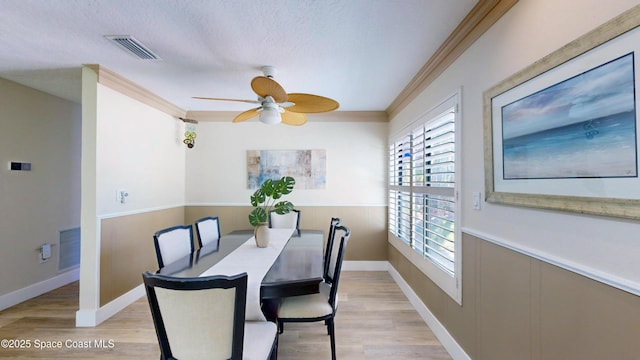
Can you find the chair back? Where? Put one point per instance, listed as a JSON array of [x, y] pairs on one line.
[[335, 266], [290, 220], [208, 230], [329, 246], [198, 318], [173, 243]]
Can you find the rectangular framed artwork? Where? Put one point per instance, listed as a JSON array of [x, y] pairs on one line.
[[563, 133], [308, 167]]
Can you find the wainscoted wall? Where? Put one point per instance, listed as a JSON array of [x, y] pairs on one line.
[[126, 247], [367, 224], [127, 250], [518, 307]]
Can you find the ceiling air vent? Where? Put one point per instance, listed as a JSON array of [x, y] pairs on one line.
[[133, 46]]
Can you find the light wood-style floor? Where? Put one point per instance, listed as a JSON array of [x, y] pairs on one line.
[[375, 321]]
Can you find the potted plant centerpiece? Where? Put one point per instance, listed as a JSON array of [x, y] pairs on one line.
[[263, 200]]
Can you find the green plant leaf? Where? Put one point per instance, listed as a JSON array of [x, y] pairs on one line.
[[257, 216], [258, 197], [286, 185], [283, 207], [268, 187]]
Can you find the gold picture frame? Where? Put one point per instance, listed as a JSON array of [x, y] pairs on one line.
[[540, 74]]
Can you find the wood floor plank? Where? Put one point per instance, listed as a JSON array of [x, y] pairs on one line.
[[375, 321]]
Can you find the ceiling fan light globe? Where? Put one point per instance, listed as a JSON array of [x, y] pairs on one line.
[[270, 116]]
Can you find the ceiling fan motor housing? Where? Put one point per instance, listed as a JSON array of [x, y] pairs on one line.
[[269, 71]]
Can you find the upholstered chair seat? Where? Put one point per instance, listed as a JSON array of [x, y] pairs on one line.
[[306, 306]]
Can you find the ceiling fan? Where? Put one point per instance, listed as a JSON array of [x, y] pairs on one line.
[[276, 105]]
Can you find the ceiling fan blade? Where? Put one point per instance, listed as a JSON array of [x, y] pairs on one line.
[[264, 86], [292, 118], [224, 99], [246, 115], [307, 103]]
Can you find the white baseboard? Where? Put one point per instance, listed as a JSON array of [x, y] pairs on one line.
[[31, 291], [353, 265], [93, 317], [438, 329]]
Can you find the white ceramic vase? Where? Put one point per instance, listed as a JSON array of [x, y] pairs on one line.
[[262, 233]]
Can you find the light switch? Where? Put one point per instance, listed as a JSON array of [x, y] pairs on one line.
[[45, 253], [476, 200]]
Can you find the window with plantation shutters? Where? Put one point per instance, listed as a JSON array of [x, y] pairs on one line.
[[422, 190], [399, 196]]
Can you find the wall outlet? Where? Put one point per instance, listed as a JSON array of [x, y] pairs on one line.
[[121, 196]]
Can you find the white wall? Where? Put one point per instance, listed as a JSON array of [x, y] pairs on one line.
[[603, 248], [140, 150], [356, 161]]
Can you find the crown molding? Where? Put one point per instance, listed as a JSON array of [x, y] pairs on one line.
[[334, 116], [476, 23], [117, 82]]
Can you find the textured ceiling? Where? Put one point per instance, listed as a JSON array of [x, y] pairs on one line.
[[361, 53]]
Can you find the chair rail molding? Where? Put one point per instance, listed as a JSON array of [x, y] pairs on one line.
[[591, 273]]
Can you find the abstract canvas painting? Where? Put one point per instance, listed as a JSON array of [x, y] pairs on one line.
[[582, 127], [308, 167]]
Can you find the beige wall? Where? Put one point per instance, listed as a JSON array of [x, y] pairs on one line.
[[127, 249], [34, 206], [368, 224], [518, 307]]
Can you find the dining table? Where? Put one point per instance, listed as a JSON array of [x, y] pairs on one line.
[[291, 265]]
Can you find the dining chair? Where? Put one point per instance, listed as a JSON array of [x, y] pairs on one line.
[[204, 318], [208, 230], [325, 285], [290, 220], [173, 243], [329, 247], [319, 306]]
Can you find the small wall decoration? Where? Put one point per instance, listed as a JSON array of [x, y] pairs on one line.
[[563, 133], [189, 132], [189, 135], [308, 167]]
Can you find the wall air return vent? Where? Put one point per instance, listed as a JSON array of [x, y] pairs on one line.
[[133, 46]]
